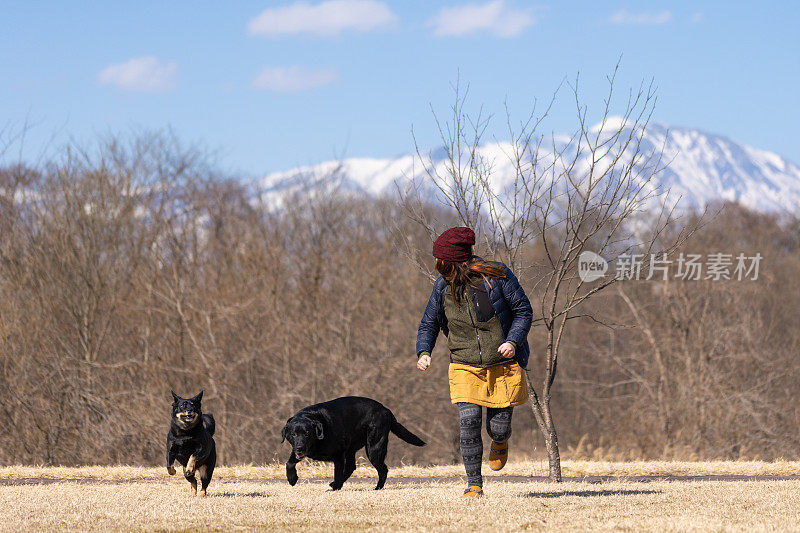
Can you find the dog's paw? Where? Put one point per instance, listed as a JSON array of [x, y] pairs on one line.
[[336, 486], [190, 466], [171, 470], [291, 477]]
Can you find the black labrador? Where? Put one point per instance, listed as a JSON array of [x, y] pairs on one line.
[[336, 430], [190, 441]]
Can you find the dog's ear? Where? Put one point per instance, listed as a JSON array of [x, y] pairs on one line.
[[283, 431], [175, 397], [318, 425], [198, 397]]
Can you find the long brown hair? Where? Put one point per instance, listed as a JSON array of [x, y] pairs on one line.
[[458, 274]]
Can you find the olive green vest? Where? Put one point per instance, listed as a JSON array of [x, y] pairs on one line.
[[473, 341]]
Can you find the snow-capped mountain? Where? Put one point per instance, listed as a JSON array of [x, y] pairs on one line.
[[702, 168]]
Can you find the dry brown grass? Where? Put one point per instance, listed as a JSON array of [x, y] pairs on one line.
[[155, 501], [308, 469], [236, 505]]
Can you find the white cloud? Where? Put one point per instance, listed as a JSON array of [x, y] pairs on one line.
[[146, 74], [697, 16], [328, 18], [626, 17], [293, 79], [493, 17]]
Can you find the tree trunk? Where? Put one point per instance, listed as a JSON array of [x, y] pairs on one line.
[[551, 443], [541, 411]]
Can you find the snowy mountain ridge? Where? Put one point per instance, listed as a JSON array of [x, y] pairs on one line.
[[703, 168]]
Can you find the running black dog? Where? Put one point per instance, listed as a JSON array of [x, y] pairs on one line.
[[190, 441], [336, 430]]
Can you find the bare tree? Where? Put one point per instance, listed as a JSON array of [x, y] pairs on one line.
[[554, 199]]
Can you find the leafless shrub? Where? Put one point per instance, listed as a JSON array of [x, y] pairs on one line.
[[137, 267]]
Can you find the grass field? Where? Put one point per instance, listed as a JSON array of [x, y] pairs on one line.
[[256, 498]]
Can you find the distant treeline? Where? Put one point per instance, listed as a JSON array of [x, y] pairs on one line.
[[137, 267]]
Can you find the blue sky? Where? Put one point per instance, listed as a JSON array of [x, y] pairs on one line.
[[274, 84]]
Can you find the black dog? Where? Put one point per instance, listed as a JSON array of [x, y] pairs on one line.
[[336, 430], [190, 441]]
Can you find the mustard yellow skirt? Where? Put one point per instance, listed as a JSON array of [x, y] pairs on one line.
[[497, 386]]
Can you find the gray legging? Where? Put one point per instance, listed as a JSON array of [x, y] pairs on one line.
[[498, 425]]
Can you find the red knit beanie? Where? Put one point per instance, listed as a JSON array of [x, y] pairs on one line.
[[454, 244]]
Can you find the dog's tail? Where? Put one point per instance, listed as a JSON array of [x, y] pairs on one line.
[[209, 424], [400, 430]]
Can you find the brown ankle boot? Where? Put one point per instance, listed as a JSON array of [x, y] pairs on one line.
[[473, 491], [498, 455]]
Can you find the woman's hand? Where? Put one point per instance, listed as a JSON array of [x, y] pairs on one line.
[[507, 350], [424, 362]]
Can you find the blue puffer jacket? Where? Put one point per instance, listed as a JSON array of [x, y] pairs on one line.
[[510, 304]]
